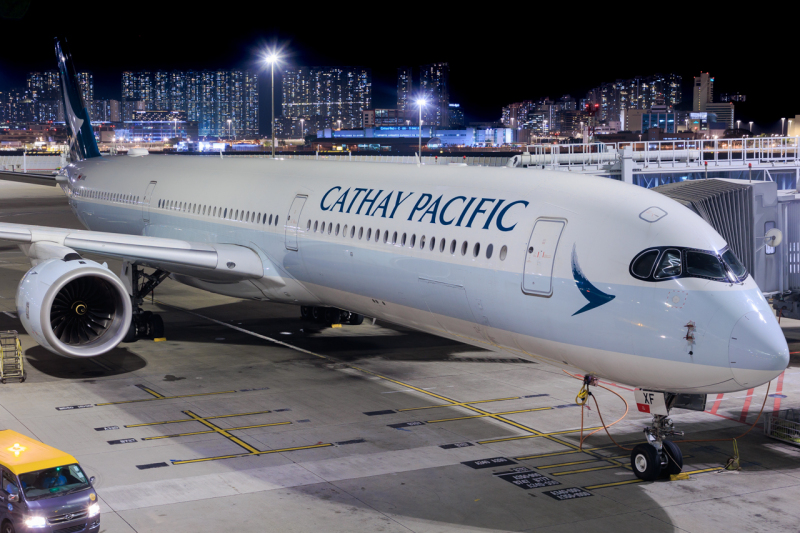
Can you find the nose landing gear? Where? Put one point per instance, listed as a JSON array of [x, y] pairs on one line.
[[659, 456]]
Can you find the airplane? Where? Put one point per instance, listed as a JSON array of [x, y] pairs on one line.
[[615, 280]]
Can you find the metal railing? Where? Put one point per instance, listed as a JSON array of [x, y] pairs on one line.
[[684, 153]]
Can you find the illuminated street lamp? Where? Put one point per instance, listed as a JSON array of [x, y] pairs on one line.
[[738, 124], [302, 132], [229, 129], [421, 103], [339, 122], [783, 120], [272, 59], [751, 126]]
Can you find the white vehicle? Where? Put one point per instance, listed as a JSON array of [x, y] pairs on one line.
[[612, 279]]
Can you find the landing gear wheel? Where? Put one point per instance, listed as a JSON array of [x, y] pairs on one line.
[[156, 327], [305, 312], [674, 458], [333, 316], [318, 314], [131, 335], [645, 462], [355, 319]]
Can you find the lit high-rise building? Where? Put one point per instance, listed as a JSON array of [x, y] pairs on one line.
[[45, 90], [327, 97], [703, 91], [86, 82], [210, 98], [177, 90], [405, 88], [161, 93], [434, 82], [137, 87]]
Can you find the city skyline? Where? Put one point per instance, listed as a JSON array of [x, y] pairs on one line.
[[486, 73]]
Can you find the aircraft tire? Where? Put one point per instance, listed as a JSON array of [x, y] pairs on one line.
[[674, 458], [305, 312], [131, 335], [645, 462], [333, 316], [156, 326], [355, 319], [318, 314]]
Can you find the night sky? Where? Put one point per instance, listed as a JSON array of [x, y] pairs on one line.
[[497, 55]]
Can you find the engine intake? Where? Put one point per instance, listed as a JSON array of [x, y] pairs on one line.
[[75, 308]]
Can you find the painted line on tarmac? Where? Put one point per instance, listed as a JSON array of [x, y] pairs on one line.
[[458, 404], [485, 414], [582, 470], [233, 456], [575, 463]]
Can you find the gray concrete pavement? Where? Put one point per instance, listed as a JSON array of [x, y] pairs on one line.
[[352, 429]]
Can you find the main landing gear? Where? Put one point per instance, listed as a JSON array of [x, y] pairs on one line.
[[659, 456], [144, 324], [330, 315]]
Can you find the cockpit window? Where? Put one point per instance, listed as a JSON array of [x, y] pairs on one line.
[[704, 265], [670, 264], [643, 265], [734, 264], [678, 262]]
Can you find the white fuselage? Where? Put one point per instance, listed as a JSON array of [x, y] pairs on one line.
[[429, 268]]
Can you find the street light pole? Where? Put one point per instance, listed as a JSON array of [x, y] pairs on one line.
[[421, 104], [272, 59], [783, 120], [751, 126]]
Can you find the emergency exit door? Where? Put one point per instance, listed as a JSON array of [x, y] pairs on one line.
[[540, 257], [293, 221]]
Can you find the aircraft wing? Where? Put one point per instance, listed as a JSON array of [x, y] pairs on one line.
[[214, 262], [48, 180]]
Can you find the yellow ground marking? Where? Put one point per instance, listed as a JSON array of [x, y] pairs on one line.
[[214, 430], [160, 397], [490, 414], [192, 420], [615, 484], [222, 432], [583, 462], [148, 390], [704, 470], [551, 454], [232, 456], [606, 467], [458, 404], [160, 339], [486, 414], [520, 437]]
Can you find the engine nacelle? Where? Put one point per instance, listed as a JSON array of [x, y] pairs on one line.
[[74, 307]]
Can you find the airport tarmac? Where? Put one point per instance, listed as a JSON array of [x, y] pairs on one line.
[[249, 419]]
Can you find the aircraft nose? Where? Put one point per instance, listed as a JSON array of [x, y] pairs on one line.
[[757, 349]]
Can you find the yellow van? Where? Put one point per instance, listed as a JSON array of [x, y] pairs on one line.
[[44, 489]]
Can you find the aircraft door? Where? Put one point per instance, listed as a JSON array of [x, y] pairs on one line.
[[293, 221], [540, 256], [146, 201]]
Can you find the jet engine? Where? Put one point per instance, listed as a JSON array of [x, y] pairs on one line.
[[74, 307]]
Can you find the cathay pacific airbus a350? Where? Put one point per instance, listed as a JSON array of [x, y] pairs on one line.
[[612, 279]]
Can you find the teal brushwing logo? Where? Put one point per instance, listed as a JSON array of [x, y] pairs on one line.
[[595, 296]]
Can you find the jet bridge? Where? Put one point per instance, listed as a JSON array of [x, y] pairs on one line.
[[743, 212]]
